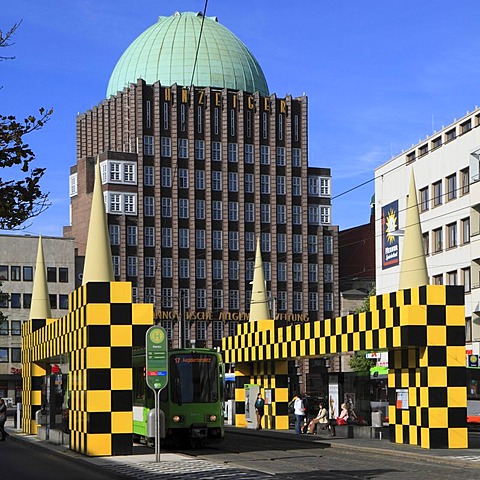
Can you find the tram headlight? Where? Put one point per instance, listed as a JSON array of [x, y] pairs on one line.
[[211, 418], [177, 419]]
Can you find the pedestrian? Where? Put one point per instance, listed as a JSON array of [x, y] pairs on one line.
[[259, 410], [299, 411], [321, 418], [3, 419]]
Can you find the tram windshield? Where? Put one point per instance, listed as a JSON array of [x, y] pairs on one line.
[[193, 378]]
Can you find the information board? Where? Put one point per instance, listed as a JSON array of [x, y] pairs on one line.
[[156, 358]]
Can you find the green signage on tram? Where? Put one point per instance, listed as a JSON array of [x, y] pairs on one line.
[[156, 358]]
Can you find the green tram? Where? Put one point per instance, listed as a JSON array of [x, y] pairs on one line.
[[191, 404]]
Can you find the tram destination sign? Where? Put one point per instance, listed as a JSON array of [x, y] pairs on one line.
[[156, 358]]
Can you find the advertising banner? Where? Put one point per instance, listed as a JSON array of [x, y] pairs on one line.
[[390, 244]]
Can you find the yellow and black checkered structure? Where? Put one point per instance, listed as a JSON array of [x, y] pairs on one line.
[[423, 329], [97, 337]]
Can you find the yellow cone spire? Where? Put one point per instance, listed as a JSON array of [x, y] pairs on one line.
[[413, 266], [98, 256], [40, 306], [259, 303]]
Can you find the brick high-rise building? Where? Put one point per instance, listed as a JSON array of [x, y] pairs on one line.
[[199, 161]]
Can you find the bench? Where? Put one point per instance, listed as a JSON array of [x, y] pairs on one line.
[[355, 431]]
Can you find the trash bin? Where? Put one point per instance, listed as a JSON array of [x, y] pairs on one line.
[[377, 420]]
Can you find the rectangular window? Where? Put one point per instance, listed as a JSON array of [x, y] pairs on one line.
[[424, 200], [314, 215], [148, 145], [325, 215], [53, 301], [296, 186], [167, 270], [200, 179], [281, 157], [216, 151], [328, 273], [265, 242], [328, 245], [149, 236], [16, 355], [249, 184], [281, 185], [312, 244], [217, 269], [27, 274], [216, 180], [437, 193], [217, 330], [313, 272], [15, 300], [297, 272], [200, 239], [466, 279], [265, 213], [201, 299], [233, 269], [166, 146], [217, 299], [267, 271], [63, 274], [183, 148], [265, 184], [281, 271], [166, 115], [16, 327], [51, 274], [167, 297], [313, 301], [149, 206], [437, 240], [4, 327], [426, 243], [324, 186], [129, 173], [233, 241], [265, 125], [3, 355], [216, 210], [115, 202], [281, 243], [296, 157], [116, 265], [200, 268], [232, 181], [464, 181], [166, 237], [132, 235], [130, 203], [149, 266], [452, 277], [199, 149], [201, 331], [182, 178], [73, 185], [264, 155], [217, 240], [281, 300], [148, 176], [166, 207], [148, 114], [184, 267], [281, 214], [248, 153], [166, 177], [450, 135], [234, 303], [132, 266], [233, 152], [297, 215], [452, 235], [465, 224], [328, 302], [200, 209], [451, 184], [249, 241], [249, 267], [249, 212], [15, 273], [63, 302], [183, 238], [297, 243], [183, 208], [297, 301]]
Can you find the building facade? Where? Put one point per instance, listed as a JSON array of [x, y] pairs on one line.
[[446, 170], [193, 176], [18, 255]]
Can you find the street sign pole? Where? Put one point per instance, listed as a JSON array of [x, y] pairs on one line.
[[156, 372]]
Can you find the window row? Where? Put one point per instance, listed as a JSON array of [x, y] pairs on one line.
[[24, 300], [17, 273], [114, 171], [11, 327], [447, 237], [13, 355], [460, 276], [445, 190]]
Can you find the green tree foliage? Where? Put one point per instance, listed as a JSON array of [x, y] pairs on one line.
[[359, 363], [20, 192], [365, 307]]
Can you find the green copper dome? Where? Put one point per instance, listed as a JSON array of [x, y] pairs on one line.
[[166, 52]]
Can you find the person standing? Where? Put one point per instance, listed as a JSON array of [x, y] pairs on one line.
[[299, 412], [3, 419], [259, 410]]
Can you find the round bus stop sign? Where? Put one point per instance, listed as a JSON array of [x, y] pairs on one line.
[[156, 358]]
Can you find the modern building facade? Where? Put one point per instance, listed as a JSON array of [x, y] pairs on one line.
[[199, 161], [18, 255], [446, 171]]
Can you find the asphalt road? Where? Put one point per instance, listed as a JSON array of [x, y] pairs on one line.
[[23, 461], [291, 459]]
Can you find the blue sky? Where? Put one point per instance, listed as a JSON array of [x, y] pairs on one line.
[[380, 75]]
